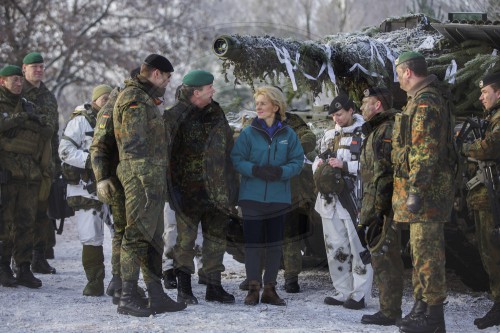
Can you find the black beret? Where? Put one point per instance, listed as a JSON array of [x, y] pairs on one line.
[[159, 62], [342, 101], [375, 91], [490, 79]]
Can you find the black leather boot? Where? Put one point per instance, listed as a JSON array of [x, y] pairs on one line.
[[26, 278], [39, 263], [114, 283], [129, 305], [418, 310], [184, 290], [492, 318], [140, 295], [378, 318], [169, 279], [159, 302], [431, 322], [7, 278], [215, 292]]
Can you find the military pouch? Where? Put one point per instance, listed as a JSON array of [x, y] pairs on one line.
[[71, 174]]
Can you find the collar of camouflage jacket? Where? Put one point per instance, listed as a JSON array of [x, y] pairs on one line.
[[421, 85]]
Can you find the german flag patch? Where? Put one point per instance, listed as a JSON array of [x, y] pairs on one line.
[[133, 105], [106, 115]]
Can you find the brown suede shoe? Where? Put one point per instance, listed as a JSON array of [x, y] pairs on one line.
[[253, 293], [269, 295]]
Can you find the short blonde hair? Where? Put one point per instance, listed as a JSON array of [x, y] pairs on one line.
[[276, 96]]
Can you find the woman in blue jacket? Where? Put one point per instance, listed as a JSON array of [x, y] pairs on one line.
[[266, 154]]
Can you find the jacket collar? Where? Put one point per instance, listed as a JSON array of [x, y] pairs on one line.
[[421, 85]]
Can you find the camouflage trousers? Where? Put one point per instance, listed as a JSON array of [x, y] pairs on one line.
[[292, 243], [214, 229], [490, 253], [119, 222], [388, 274], [19, 205], [142, 244], [428, 259], [44, 231]]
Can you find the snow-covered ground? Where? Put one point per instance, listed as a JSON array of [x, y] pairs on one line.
[[60, 307]]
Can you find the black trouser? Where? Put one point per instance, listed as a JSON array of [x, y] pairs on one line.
[[263, 241]]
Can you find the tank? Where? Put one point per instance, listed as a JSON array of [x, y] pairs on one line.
[[460, 51]]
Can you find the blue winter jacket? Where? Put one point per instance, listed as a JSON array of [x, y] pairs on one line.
[[254, 146]]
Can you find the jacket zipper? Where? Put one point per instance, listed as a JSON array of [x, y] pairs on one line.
[[270, 140]]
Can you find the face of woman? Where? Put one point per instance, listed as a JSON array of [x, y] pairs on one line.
[[265, 109], [343, 117]]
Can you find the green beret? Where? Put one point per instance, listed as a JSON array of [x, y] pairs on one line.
[[33, 58], [198, 78], [409, 55], [100, 90], [490, 79], [9, 70]]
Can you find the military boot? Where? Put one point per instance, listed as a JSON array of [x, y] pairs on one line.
[[269, 295], [431, 322], [184, 290], [159, 302], [140, 295], [93, 264], [492, 318], [253, 293], [114, 283], [215, 292], [202, 277], [418, 310], [26, 278], [39, 264], [292, 285], [169, 279], [378, 318], [129, 305], [7, 278]]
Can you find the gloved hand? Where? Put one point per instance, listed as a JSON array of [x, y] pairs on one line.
[[267, 172], [413, 203], [105, 190]]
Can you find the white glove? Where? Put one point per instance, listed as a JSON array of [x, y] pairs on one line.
[[105, 190]]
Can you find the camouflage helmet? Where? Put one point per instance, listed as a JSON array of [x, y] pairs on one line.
[[328, 180]]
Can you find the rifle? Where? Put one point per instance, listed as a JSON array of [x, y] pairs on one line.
[[484, 174], [5, 177]]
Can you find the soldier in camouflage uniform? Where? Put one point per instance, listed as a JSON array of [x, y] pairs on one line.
[[377, 178], [487, 149], [201, 181], [104, 159], [90, 214], [35, 91], [303, 198], [424, 159], [140, 138], [25, 153]]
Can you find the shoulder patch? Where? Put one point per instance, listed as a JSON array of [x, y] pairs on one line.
[[133, 105]]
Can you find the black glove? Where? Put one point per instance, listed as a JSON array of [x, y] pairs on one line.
[[267, 172], [361, 231], [414, 203]]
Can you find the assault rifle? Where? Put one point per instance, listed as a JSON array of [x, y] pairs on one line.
[[485, 172]]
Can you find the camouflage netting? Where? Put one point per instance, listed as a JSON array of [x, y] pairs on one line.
[[356, 60]]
